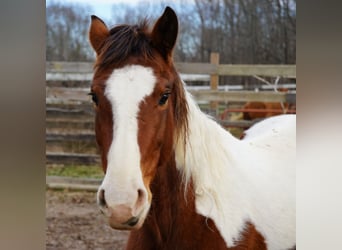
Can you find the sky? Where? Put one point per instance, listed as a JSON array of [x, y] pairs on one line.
[[102, 8]]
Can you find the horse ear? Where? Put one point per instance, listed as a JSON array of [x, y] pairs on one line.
[[164, 33], [98, 33]]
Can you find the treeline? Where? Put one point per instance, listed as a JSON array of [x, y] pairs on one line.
[[242, 31]]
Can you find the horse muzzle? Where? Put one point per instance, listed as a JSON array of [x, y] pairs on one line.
[[124, 216]]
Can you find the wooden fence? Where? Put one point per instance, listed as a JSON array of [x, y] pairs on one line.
[[83, 70], [69, 114]]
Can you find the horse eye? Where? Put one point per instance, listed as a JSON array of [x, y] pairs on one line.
[[163, 99], [94, 98]]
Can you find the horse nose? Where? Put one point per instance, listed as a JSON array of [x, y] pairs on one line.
[[140, 200], [132, 221], [122, 214]]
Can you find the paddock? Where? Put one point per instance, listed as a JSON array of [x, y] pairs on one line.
[[73, 221]]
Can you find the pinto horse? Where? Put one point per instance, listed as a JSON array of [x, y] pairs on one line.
[[173, 176]]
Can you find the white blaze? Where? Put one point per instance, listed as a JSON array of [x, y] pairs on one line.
[[125, 89]]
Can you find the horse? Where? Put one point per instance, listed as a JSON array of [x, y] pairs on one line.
[[257, 110], [173, 177]]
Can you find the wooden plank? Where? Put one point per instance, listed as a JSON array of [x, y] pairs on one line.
[[64, 104], [72, 180], [88, 77], [68, 76], [70, 122], [238, 96], [75, 70], [67, 136], [261, 110], [196, 68], [73, 187], [70, 183], [54, 67], [195, 77], [65, 112], [60, 94], [288, 71], [214, 78], [68, 67], [71, 158]]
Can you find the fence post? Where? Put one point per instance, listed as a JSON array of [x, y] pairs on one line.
[[214, 79]]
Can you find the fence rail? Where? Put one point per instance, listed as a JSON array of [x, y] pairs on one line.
[[57, 182], [71, 158], [83, 70]]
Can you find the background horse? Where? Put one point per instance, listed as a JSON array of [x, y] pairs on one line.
[[173, 176], [255, 110]]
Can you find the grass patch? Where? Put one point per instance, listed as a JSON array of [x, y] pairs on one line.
[[76, 171]]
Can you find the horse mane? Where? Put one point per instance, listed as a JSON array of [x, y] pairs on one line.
[[181, 111], [125, 41]]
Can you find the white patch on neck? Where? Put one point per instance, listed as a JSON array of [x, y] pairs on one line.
[[236, 181], [125, 89]]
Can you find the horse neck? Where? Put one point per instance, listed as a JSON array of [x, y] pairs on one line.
[[173, 217], [170, 201], [208, 148], [211, 161], [169, 206]]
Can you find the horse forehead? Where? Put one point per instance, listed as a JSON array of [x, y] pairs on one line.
[[130, 84]]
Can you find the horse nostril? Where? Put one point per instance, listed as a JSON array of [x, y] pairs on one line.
[[141, 198], [132, 221], [140, 193], [101, 199]]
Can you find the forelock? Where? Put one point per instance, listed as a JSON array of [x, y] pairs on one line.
[[126, 41]]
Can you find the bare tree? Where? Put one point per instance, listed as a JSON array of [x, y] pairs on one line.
[[66, 33], [242, 31]]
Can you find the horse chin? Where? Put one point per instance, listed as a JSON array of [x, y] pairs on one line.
[[119, 226], [122, 227], [133, 223]]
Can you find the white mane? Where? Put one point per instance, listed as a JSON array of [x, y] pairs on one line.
[[240, 181]]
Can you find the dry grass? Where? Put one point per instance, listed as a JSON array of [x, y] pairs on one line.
[[75, 171]]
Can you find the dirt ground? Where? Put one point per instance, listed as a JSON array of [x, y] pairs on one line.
[[73, 221]]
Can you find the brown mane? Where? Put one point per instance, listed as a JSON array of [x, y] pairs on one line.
[[123, 42]]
